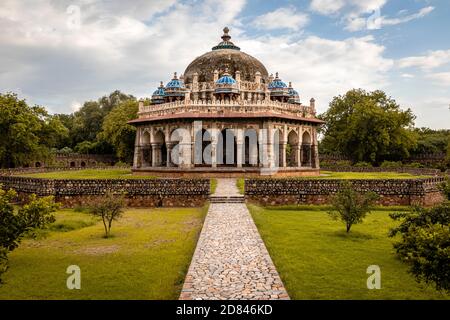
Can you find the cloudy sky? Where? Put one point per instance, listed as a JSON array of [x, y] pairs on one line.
[[60, 53]]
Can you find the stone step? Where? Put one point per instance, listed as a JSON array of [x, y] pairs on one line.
[[224, 199]]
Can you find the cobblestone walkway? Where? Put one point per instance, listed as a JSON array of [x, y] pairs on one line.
[[231, 260]]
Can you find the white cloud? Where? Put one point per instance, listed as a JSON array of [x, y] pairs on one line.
[[282, 18], [323, 68], [407, 75], [440, 78], [75, 106], [432, 59], [357, 22], [359, 15], [327, 7]]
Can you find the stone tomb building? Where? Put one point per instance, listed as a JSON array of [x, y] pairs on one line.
[[235, 118]]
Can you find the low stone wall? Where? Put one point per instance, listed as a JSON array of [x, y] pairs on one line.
[[310, 191], [30, 170], [413, 171], [139, 192]]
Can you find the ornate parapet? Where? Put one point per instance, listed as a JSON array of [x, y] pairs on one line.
[[221, 106]]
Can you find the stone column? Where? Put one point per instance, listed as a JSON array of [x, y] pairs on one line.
[[136, 155], [299, 149], [283, 160], [169, 147], [316, 150], [214, 153], [156, 154]]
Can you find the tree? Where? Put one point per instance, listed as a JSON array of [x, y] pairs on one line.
[[445, 188], [425, 243], [37, 213], [350, 206], [368, 126], [27, 133], [109, 208], [431, 141], [117, 132]]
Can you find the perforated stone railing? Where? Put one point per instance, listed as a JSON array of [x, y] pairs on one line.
[[217, 106]]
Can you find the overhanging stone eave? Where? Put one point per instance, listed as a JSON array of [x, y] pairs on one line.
[[219, 116]]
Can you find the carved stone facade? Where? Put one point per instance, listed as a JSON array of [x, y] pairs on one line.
[[229, 116]]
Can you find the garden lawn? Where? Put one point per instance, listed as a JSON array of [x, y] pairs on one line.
[[317, 259], [89, 174], [147, 256], [366, 175]]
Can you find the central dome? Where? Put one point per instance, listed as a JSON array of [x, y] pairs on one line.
[[225, 56]]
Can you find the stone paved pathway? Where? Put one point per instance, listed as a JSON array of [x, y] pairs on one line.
[[231, 260]]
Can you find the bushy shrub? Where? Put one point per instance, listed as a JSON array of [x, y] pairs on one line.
[[344, 163], [108, 208], [350, 206], [121, 164], [445, 188], [414, 165], [363, 164], [425, 243], [391, 164], [36, 214]]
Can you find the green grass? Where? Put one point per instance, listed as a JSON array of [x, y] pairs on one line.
[[213, 185], [146, 258], [317, 259], [89, 174], [365, 175], [240, 184]]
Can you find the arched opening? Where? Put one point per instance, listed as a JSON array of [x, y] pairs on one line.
[[83, 164], [146, 151], [306, 150], [160, 149], [251, 148], [72, 164], [202, 142], [37, 164], [176, 136], [227, 148], [292, 149]]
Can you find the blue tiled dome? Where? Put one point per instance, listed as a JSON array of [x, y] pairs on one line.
[[277, 83], [226, 79], [293, 93], [175, 83], [160, 92]]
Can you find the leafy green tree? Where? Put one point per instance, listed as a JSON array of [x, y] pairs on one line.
[[86, 123], [431, 141], [445, 188], [425, 243], [113, 100], [108, 208], [350, 206], [368, 126], [37, 213], [118, 133], [27, 133]]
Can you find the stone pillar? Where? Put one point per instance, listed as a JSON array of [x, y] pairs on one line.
[[214, 153], [136, 155], [156, 154], [169, 147], [299, 149], [283, 160], [214, 138]]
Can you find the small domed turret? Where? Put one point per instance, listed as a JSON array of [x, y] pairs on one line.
[[159, 94]]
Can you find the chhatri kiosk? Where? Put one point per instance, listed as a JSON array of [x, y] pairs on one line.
[[235, 120]]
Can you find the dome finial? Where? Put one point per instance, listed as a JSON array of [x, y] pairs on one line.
[[226, 36], [175, 75], [276, 75]]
